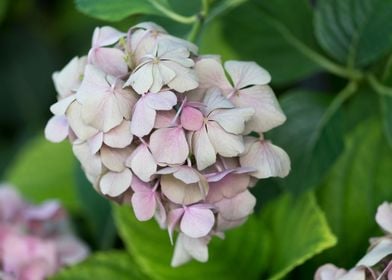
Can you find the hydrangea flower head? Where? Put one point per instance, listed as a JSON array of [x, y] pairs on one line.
[[167, 131], [35, 240]]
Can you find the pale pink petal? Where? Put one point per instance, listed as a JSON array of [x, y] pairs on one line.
[[329, 272], [60, 107], [197, 222], [110, 60], [180, 255], [138, 185], [143, 118], [202, 149], [114, 159], [94, 83], [115, 183], [173, 218], [144, 205], [91, 162], [245, 73], [95, 142], [232, 120], [384, 217], [179, 192], [228, 187], [211, 74], [222, 224], [269, 160], [126, 98], [71, 250], [11, 204], [120, 136], [105, 36], [142, 163], [164, 100], [46, 211], [224, 143], [160, 214], [268, 113], [169, 145], [165, 119], [185, 78], [57, 129], [191, 118], [196, 247], [237, 207]]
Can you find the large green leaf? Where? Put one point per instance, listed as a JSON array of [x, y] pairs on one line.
[[298, 230], [114, 265], [44, 170], [360, 181], [246, 33], [241, 254], [311, 138], [114, 10], [354, 31], [386, 107], [288, 232]]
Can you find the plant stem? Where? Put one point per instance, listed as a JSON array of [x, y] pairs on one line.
[[198, 24], [173, 15], [378, 87]]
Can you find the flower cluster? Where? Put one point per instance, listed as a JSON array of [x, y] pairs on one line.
[[158, 126], [35, 241], [376, 264]]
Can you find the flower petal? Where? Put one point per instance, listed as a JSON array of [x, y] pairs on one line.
[[211, 74], [268, 113], [164, 100], [169, 145], [105, 36], [110, 60], [197, 222], [115, 183], [141, 78], [114, 159], [61, 106], [224, 143], [144, 205], [215, 100], [237, 207], [245, 73], [95, 142], [203, 149], [179, 192], [232, 120], [82, 130], [268, 160], [120, 136], [329, 272], [143, 118], [142, 163], [228, 187], [57, 129], [384, 217], [191, 118], [187, 174]]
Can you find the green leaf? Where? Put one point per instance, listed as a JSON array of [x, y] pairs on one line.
[[98, 212], [246, 34], [44, 170], [386, 107], [116, 265], [312, 140], [240, 255], [359, 182], [298, 230], [354, 32], [115, 10]]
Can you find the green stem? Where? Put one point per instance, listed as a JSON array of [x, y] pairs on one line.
[[198, 24], [324, 62], [378, 87], [338, 101], [173, 15]]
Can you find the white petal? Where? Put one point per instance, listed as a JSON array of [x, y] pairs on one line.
[[90, 162], [384, 216], [82, 130], [232, 120], [60, 107], [187, 174], [380, 251], [115, 183], [215, 100], [268, 113], [197, 222], [203, 150], [237, 207], [57, 129], [179, 192], [225, 144], [329, 272], [141, 79], [180, 255], [245, 73], [269, 160], [120, 136], [143, 118], [142, 163], [95, 142], [196, 247], [185, 78], [105, 36], [211, 74], [164, 100], [110, 60], [114, 159]]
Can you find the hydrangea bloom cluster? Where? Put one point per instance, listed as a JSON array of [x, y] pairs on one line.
[[376, 264], [35, 240], [158, 126]]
